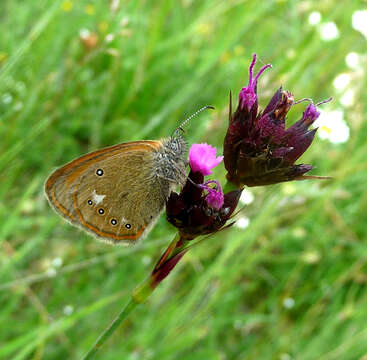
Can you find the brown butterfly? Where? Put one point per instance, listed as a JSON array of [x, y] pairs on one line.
[[118, 193]]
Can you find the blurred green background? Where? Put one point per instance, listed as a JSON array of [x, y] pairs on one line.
[[289, 282]]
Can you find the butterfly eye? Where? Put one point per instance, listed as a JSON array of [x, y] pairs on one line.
[[100, 211], [90, 202], [99, 172], [128, 226], [113, 221]]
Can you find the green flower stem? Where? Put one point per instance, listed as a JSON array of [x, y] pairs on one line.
[[228, 187], [138, 296], [129, 307]]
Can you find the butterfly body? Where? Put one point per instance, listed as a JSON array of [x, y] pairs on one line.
[[118, 193]]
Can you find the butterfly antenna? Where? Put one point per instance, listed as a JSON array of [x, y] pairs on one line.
[[302, 100], [310, 100], [180, 128], [324, 101]]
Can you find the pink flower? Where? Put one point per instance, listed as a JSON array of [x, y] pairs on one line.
[[200, 209], [215, 197], [203, 158], [248, 96], [258, 148]]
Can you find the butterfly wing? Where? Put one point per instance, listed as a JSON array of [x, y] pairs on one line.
[[112, 193]]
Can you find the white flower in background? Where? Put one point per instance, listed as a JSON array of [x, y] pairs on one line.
[[347, 99], [329, 31], [311, 257], [84, 33], [359, 21], [242, 222], [314, 18], [299, 232], [7, 98], [247, 197], [51, 272], [124, 21], [68, 310], [288, 303], [110, 37], [114, 5], [57, 262], [291, 53], [332, 126], [342, 81], [352, 60]]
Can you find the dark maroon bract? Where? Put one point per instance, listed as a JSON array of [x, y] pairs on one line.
[[201, 208], [191, 212]]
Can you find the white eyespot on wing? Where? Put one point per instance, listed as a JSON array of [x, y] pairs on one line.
[[97, 198]]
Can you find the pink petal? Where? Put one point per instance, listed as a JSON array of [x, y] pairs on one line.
[[215, 197], [248, 95], [203, 158]]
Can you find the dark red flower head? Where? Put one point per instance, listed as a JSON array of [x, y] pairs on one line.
[[201, 208], [258, 149]]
